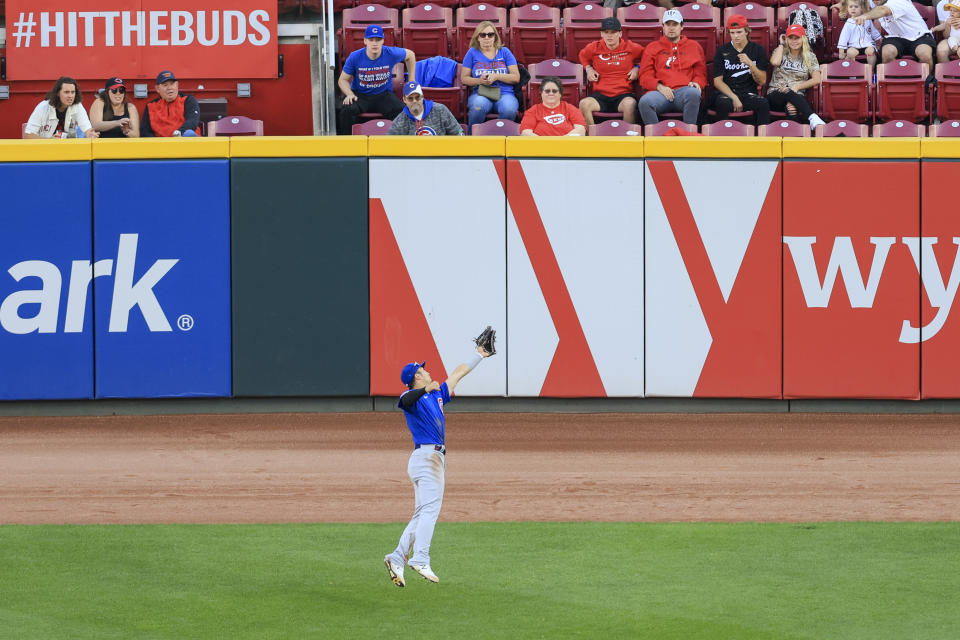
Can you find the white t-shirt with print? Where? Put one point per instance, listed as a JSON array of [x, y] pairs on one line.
[[904, 21]]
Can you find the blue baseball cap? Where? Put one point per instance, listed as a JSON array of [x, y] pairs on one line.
[[409, 371], [164, 76], [373, 31]]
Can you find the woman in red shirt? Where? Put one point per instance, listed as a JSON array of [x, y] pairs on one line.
[[552, 116]]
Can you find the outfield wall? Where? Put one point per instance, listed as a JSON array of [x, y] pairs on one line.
[[611, 267]]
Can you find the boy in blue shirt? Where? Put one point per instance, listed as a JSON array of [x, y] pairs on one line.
[[367, 80]]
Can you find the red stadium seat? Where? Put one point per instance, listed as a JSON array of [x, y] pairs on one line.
[[898, 129], [235, 126], [848, 128], [570, 73], [641, 22], [614, 128], [469, 17], [824, 50], [428, 30], [356, 21], [663, 126], [845, 91], [498, 127], [928, 13], [451, 97], [784, 129], [762, 21], [702, 23], [948, 90], [728, 128], [948, 129], [534, 33], [378, 127], [581, 26], [901, 92]]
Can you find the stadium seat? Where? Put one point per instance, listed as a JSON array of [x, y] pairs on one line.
[[728, 128], [614, 128], [284, 7], [762, 21], [571, 73], [498, 127], [898, 129], [845, 91], [928, 13], [823, 49], [784, 129], [357, 19], [948, 90], [428, 30], [848, 128], [901, 91], [451, 97], [235, 126], [534, 33], [948, 129], [581, 26], [641, 22], [378, 127], [469, 17], [702, 23], [663, 126]]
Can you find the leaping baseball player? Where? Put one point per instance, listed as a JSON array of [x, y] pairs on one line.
[[422, 405]]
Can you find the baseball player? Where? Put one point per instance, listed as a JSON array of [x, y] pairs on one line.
[[422, 406]]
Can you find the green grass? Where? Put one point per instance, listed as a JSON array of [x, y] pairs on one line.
[[516, 580]]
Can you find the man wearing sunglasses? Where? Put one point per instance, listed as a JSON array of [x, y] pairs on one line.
[[171, 114], [423, 117]]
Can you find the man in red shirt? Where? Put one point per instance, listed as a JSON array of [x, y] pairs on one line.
[[611, 65], [674, 72], [171, 114]]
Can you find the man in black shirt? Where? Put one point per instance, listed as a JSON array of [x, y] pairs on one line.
[[738, 68]]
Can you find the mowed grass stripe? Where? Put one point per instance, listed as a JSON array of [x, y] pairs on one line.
[[498, 580]]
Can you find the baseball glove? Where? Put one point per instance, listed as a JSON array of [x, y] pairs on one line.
[[487, 339]]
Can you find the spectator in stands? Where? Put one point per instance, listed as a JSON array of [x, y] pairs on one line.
[[112, 114], [492, 70], [674, 73], [552, 116], [60, 114], [612, 65], [795, 70], [907, 32], [367, 80], [423, 117], [739, 68], [949, 16], [171, 114], [857, 39]]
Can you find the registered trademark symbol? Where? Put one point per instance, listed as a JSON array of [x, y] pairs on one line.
[[185, 322]]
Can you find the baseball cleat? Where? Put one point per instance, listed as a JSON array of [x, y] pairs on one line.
[[425, 571], [396, 572]]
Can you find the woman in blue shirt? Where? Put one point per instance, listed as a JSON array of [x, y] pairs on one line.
[[491, 65]]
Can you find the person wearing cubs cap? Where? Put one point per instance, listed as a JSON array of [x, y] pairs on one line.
[[422, 406], [795, 71], [423, 117], [112, 114], [366, 80], [612, 65], [739, 69], [673, 72]]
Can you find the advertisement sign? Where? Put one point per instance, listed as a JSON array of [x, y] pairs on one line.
[[135, 39], [46, 320], [162, 291]]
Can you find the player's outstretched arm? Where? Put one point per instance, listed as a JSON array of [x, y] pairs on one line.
[[465, 368]]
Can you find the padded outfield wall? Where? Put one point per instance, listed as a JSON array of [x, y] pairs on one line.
[[626, 267]]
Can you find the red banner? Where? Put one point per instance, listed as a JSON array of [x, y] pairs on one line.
[[135, 39]]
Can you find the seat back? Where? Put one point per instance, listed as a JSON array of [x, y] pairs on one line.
[[845, 91], [948, 90], [898, 129], [641, 22], [948, 129], [784, 129], [928, 13], [428, 30], [469, 17], [614, 128], [357, 19], [451, 97], [728, 128], [571, 73], [824, 49], [702, 23], [534, 32], [663, 126], [848, 128], [235, 126], [378, 127], [762, 21], [581, 26], [901, 91], [498, 127]]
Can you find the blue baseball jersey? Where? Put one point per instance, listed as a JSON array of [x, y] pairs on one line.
[[371, 77], [480, 64], [425, 418]]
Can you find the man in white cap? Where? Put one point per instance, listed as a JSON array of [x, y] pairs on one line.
[[673, 71], [423, 117]]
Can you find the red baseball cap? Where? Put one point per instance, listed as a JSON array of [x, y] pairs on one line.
[[736, 22], [796, 30]]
